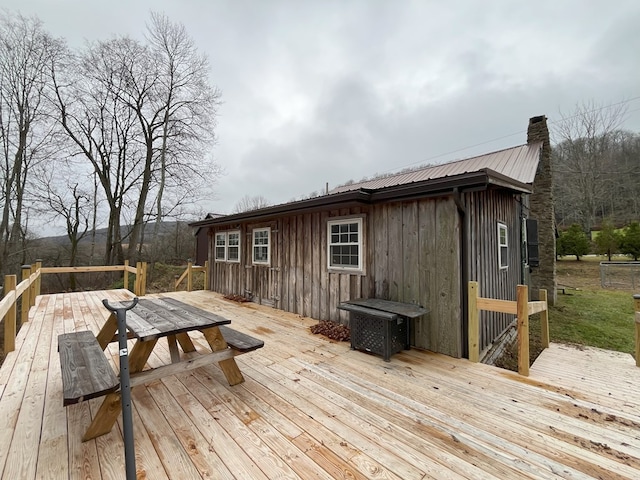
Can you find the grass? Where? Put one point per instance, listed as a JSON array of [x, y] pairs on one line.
[[586, 314], [603, 319]]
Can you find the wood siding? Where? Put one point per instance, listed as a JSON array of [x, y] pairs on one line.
[[484, 211], [412, 253]]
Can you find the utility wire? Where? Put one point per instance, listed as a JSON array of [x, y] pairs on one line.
[[426, 160]]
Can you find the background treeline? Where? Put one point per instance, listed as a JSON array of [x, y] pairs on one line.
[[118, 132], [596, 168]]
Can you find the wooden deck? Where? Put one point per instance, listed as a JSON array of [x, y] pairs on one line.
[[312, 408]]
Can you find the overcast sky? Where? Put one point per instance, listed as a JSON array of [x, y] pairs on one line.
[[318, 92]]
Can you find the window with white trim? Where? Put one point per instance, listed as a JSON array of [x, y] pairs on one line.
[[233, 246], [221, 247], [345, 244], [261, 246], [503, 246], [227, 248]]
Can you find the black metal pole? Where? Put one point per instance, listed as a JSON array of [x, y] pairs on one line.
[[125, 387]]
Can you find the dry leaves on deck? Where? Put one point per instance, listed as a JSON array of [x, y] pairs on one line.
[[332, 330]]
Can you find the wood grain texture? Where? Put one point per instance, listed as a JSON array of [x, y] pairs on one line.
[[313, 408]]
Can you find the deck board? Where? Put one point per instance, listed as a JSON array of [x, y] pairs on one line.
[[313, 408]]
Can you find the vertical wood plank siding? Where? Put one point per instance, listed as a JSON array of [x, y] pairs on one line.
[[485, 210], [412, 253]]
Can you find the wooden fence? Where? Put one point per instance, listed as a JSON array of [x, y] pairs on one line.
[[29, 288], [188, 275], [522, 308]]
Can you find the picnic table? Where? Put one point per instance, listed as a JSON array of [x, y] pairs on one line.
[[381, 326], [87, 373]]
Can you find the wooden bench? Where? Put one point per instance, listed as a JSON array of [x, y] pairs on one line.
[[86, 371], [240, 342]]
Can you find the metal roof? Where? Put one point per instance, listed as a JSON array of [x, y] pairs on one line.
[[512, 168], [517, 163]]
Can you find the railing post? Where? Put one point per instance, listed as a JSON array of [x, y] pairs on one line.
[[206, 274], [32, 286], [136, 285], [544, 319], [636, 302], [189, 276], [125, 281], [143, 280], [474, 326], [26, 295], [39, 279], [10, 282], [523, 329]]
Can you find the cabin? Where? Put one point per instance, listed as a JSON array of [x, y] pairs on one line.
[[415, 237]]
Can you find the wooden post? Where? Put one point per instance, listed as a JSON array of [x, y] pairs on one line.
[[544, 319], [523, 329], [143, 280], [126, 275], [10, 282], [474, 326], [26, 302], [636, 302], [206, 274], [189, 276], [39, 279], [32, 286], [136, 287]]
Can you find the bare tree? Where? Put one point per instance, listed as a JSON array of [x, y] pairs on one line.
[[102, 130], [248, 203], [27, 53], [61, 195], [584, 157]]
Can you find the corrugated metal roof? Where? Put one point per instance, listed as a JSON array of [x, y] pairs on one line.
[[518, 163]]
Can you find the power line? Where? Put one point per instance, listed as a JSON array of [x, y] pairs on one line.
[[426, 160]]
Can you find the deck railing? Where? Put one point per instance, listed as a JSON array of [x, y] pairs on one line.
[[188, 275], [521, 307], [29, 288]]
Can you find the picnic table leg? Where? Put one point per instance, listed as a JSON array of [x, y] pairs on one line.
[[173, 348], [110, 409], [107, 331], [185, 342], [229, 366]]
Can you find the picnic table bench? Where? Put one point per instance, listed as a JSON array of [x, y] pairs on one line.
[[87, 372]]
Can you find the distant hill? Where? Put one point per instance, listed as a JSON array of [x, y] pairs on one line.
[[166, 228]]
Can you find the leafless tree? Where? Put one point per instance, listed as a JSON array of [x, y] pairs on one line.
[[584, 161], [62, 194], [27, 55], [101, 129], [248, 203]]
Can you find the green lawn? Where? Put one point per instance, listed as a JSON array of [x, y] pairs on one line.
[[600, 318]]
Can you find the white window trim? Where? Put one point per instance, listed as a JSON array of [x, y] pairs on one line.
[[502, 226], [239, 246], [216, 247], [341, 268], [226, 246], [253, 245]]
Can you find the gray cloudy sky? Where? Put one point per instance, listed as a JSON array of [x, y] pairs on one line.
[[327, 91]]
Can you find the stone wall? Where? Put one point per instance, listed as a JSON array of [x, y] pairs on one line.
[[541, 208]]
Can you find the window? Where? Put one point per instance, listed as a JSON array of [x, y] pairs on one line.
[[221, 247], [233, 246], [503, 246], [227, 247], [345, 244], [261, 238]]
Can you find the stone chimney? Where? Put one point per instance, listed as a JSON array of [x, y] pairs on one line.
[[541, 209]]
